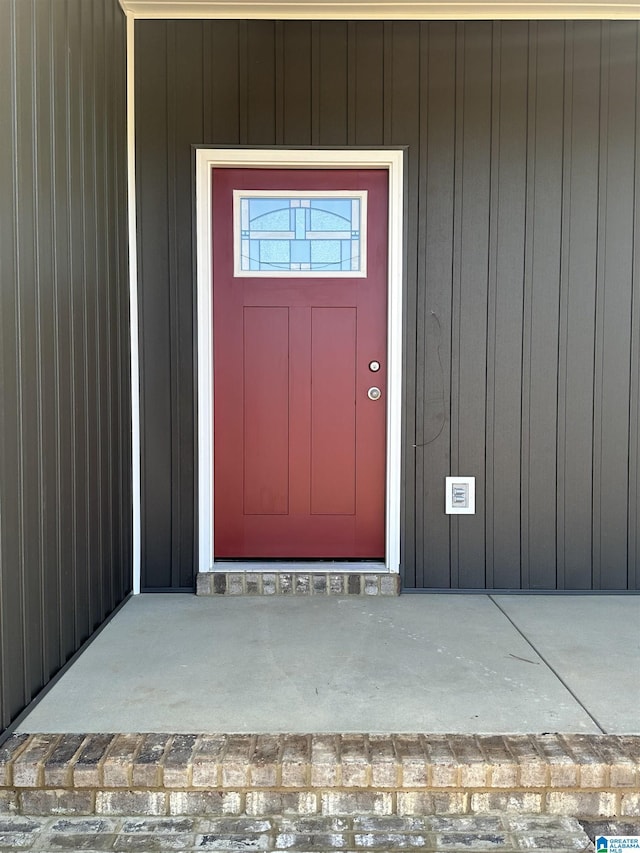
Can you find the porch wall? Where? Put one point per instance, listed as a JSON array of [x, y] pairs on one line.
[[522, 305], [65, 465]]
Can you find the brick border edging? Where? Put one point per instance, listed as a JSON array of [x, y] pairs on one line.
[[298, 583], [584, 776]]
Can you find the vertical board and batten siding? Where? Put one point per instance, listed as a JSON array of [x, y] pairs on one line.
[[65, 475], [522, 301]]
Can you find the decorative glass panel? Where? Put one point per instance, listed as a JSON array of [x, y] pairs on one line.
[[310, 233]]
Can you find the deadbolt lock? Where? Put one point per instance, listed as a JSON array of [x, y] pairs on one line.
[[374, 366]]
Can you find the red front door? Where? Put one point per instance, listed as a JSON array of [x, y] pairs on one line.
[[299, 446]]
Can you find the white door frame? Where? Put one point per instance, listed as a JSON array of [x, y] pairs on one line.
[[206, 160]]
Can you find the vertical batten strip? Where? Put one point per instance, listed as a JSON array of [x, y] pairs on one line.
[[600, 303], [40, 262], [103, 368], [315, 83], [110, 321], [525, 429], [76, 211], [401, 125], [473, 295], [541, 310], [133, 305], [414, 576], [97, 106], [388, 83], [26, 323], [173, 291], [633, 560], [80, 313], [5, 74], [435, 276], [12, 593], [48, 346], [243, 82], [56, 550], [492, 288], [88, 250], [563, 310], [128, 508], [352, 80], [581, 293], [509, 302], [618, 273], [279, 82], [208, 106], [457, 290], [54, 108]]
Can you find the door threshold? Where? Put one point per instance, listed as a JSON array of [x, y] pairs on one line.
[[255, 577], [311, 566]]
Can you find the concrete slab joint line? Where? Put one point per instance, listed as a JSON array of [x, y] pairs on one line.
[[297, 583], [589, 776]]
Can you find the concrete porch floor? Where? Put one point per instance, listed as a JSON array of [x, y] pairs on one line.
[[424, 663]]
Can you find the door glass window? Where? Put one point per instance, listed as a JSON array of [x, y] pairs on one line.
[[300, 234]]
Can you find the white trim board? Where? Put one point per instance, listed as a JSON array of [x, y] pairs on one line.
[[321, 567], [209, 158], [136, 484], [381, 10]]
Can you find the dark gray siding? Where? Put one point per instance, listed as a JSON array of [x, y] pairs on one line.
[[522, 301], [65, 490]]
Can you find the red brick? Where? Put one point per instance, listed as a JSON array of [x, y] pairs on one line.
[[207, 755], [325, 760], [265, 761], [521, 802], [147, 765], [472, 761], [354, 758], [117, 768], [533, 771], [581, 805], [503, 768], [153, 803], [269, 803], [368, 802], [203, 803], [296, 757], [28, 767], [432, 802], [59, 765], [412, 759], [88, 766], [384, 762], [236, 760], [563, 772], [9, 751], [444, 768], [57, 802], [593, 771]]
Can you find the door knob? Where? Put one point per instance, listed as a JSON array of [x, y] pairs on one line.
[[374, 393]]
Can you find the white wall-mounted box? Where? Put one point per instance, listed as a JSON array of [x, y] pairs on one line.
[[460, 495]]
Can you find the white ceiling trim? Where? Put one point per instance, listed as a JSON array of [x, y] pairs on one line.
[[390, 10]]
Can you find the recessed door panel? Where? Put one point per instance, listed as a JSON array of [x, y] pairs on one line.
[[333, 411], [266, 411]]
